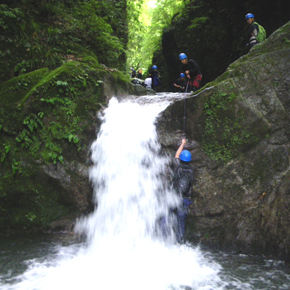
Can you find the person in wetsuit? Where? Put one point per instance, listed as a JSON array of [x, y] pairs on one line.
[[181, 83], [253, 30], [155, 76], [191, 71], [182, 184]]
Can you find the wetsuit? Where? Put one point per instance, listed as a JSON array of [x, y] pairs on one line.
[[133, 74], [182, 184], [155, 79], [252, 34], [194, 72], [182, 83]]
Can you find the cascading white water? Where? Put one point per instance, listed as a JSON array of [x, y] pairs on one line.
[[124, 248], [127, 176]]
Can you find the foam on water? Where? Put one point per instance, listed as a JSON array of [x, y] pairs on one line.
[[124, 249]]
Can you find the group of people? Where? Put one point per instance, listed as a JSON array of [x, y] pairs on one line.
[[183, 178], [134, 74], [191, 77], [189, 80]]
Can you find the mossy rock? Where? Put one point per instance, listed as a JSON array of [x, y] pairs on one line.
[[48, 119]]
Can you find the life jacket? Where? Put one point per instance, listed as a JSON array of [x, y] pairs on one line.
[[261, 33]]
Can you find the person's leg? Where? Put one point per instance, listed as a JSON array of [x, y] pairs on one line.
[[163, 225], [181, 217], [196, 82]]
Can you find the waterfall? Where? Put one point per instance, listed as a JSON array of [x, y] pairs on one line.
[[128, 176], [124, 248]]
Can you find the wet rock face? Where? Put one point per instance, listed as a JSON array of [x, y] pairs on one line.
[[238, 134]]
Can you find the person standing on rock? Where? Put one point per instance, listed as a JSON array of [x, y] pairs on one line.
[[155, 76], [192, 72], [256, 33], [252, 31], [182, 184]]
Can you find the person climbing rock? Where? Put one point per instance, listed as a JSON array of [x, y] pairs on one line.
[[181, 83], [191, 71], [155, 76], [182, 184], [256, 33]]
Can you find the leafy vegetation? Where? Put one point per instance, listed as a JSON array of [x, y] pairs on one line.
[[54, 58], [37, 34], [45, 125], [147, 19]]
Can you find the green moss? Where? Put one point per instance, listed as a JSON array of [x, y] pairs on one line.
[[225, 136], [48, 115], [48, 127], [15, 89]]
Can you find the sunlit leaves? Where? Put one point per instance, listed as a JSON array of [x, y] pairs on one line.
[[145, 31]]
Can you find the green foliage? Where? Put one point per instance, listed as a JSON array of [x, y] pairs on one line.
[[8, 16], [46, 114], [94, 31], [145, 29], [46, 34], [44, 118], [197, 22], [4, 151]]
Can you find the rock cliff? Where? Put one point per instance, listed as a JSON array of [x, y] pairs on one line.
[[238, 131]]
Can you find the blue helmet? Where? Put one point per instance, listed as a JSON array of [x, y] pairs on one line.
[[154, 67], [182, 75], [249, 15], [185, 156], [182, 56]]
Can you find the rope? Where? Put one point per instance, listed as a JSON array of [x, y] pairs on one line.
[[184, 110], [184, 117]]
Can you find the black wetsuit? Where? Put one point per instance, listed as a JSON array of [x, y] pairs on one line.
[[193, 68], [194, 72], [155, 75], [182, 183], [182, 83], [252, 34]]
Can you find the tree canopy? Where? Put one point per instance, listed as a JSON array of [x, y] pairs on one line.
[[147, 19]]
